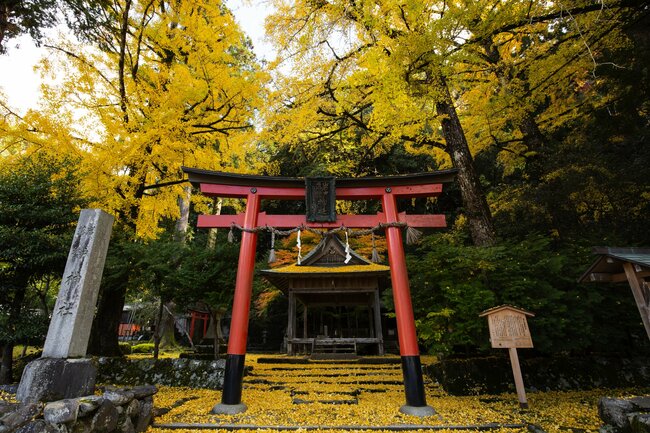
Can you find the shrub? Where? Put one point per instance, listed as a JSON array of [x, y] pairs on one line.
[[142, 348], [125, 348]]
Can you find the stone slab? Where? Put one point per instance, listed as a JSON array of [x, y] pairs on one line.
[[419, 411], [50, 379], [229, 409], [72, 316]]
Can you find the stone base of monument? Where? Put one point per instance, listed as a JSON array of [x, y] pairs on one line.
[[50, 379]]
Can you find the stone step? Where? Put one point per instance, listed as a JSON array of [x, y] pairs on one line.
[[393, 427], [390, 360]]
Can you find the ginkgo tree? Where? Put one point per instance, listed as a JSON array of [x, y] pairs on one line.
[[173, 84], [157, 86], [380, 73]]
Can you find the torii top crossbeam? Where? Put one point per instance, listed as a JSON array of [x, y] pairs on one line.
[[229, 185], [320, 195]]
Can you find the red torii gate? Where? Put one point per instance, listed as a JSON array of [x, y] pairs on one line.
[[387, 189]]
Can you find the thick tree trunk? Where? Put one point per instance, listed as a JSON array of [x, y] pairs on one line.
[[6, 368], [476, 207], [164, 335], [104, 335], [168, 326], [180, 232], [6, 376]]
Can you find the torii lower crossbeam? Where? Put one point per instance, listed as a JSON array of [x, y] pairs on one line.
[[387, 189]]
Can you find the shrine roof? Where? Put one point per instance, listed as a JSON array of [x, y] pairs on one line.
[[329, 270], [197, 176], [610, 263], [327, 260]]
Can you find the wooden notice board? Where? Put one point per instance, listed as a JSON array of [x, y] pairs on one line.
[[509, 327]]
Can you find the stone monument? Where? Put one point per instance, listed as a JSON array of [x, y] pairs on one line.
[[62, 371]]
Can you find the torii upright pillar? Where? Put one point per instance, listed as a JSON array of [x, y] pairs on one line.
[[386, 189]]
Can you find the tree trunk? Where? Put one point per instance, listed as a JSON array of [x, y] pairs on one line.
[[476, 207], [124, 28], [180, 232], [4, 24], [167, 330], [42, 296], [216, 316], [6, 376], [158, 334], [212, 233], [164, 335], [104, 334], [6, 368]]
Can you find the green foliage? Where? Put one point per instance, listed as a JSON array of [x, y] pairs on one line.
[[29, 329], [125, 348], [33, 16], [185, 273], [25, 17], [208, 275], [451, 283], [39, 203], [142, 348]]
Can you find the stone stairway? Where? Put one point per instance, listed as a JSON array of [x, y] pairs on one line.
[[293, 393], [327, 381], [324, 349]]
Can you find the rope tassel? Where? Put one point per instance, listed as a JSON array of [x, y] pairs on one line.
[[412, 235], [231, 236], [299, 245], [272, 258], [375, 255], [348, 256]]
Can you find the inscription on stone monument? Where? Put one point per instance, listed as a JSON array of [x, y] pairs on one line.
[[69, 330], [61, 372]]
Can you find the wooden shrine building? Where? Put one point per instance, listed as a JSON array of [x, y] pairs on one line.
[[339, 301]]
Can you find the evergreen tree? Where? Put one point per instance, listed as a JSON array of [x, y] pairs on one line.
[[39, 203]]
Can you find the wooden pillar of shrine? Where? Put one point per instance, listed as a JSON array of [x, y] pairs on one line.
[[291, 323], [377, 325]]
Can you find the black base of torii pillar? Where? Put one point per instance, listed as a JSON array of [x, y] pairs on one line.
[[386, 189]]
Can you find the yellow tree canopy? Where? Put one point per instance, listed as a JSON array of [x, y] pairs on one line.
[[173, 84]]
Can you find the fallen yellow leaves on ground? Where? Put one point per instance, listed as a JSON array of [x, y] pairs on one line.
[[330, 394], [7, 397]]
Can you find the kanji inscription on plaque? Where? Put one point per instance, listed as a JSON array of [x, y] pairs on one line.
[[320, 199], [509, 327]]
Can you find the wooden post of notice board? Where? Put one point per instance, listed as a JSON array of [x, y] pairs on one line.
[[509, 330]]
